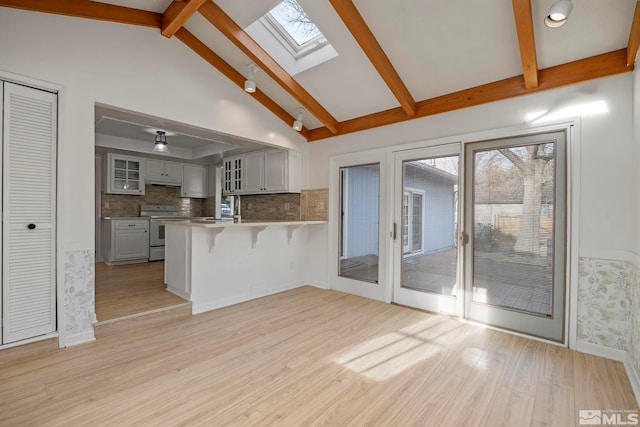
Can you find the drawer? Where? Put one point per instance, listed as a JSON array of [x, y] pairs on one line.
[[135, 224]]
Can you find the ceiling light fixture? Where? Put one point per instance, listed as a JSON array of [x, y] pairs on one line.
[[161, 143], [297, 124], [558, 14], [250, 83]]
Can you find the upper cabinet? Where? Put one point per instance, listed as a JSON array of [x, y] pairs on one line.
[[194, 181], [125, 174], [268, 171], [159, 172], [233, 168]]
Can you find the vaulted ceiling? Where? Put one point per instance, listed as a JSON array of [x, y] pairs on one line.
[[397, 60]]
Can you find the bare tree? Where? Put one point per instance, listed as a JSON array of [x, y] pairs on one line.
[[532, 168], [296, 15]]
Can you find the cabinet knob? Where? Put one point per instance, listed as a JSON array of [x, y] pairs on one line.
[[31, 226]]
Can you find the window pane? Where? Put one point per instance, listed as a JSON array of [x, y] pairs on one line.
[[359, 205], [429, 225], [513, 205]]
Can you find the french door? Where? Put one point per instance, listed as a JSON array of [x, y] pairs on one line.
[[495, 252], [426, 251], [515, 220]]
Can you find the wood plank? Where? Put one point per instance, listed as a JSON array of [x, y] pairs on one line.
[[228, 71], [594, 67], [177, 14], [219, 19], [126, 290], [281, 360], [370, 46], [526, 41], [91, 10], [634, 37]]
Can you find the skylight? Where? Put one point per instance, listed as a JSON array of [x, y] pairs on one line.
[[293, 19], [288, 34], [291, 25]]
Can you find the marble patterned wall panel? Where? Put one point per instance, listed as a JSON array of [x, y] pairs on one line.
[[634, 318], [603, 302], [79, 291]]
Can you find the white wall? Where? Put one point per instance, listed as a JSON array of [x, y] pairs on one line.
[[129, 67], [606, 208], [635, 195]]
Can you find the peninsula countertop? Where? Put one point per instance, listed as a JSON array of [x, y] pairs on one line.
[[204, 223]]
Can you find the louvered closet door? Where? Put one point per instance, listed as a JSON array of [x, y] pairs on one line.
[[29, 194]]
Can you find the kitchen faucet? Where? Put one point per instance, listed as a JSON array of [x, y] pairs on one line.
[[237, 217]]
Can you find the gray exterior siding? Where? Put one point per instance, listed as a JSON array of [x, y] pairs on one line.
[[363, 193]]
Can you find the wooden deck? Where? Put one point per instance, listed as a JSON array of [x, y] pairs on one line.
[[309, 357]]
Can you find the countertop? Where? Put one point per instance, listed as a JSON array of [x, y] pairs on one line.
[[247, 223], [126, 218]]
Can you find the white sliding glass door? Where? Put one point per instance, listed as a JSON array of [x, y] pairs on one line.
[[515, 218]]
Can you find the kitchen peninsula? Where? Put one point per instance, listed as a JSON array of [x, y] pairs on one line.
[[216, 264]]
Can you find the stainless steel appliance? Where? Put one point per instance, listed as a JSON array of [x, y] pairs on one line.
[[157, 215]]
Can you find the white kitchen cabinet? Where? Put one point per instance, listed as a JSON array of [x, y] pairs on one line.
[[253, 180], [232, 175], [160, 172], [194, 182], [125, 174], [271, 171], [126, 240]]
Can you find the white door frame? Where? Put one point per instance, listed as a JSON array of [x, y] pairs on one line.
[[572, 126]]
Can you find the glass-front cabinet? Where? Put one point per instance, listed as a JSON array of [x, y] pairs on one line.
[[125, 175]]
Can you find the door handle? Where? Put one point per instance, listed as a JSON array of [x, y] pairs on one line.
[[394, 233], [464, 239]]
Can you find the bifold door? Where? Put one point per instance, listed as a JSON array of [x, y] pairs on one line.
[[29, 193]]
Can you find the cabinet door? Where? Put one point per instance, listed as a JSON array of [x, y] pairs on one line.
[[227, 176], [125, 175], [28, 227], [131, 244], [155, 169], [253, 181], [173, 172], [275, 170], [194, 181]]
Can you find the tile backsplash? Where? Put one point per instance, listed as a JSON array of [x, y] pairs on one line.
[[116, 205], [309, 205], [314, 204]]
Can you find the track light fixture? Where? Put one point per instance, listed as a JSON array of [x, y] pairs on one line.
[[161, 143], [558, 14], [250, 83], [297, 124]]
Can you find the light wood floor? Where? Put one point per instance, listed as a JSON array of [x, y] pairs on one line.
[[309, 357], [124, 290]]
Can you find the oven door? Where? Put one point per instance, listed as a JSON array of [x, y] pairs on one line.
[[156, 237]]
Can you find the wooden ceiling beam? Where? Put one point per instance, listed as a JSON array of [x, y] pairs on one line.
[[594, 67], [228, 71], [89, 9], [634, 37], [526, 40], [356, 24], [219, 19], [177, 14]]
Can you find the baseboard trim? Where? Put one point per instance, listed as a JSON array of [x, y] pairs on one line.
[[634, 379], [76, 339], [319, 285], [617, 355], [179, 293]]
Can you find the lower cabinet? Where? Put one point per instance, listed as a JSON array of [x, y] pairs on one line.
[[125, 240]]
